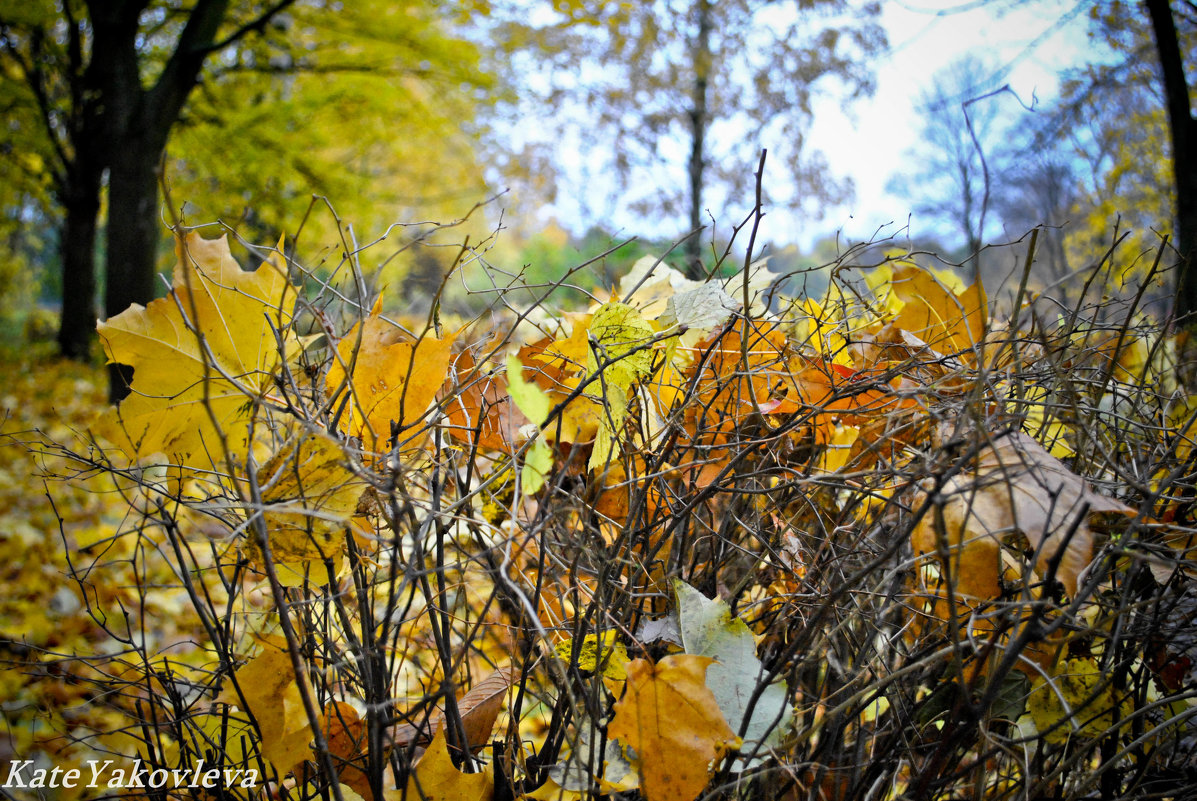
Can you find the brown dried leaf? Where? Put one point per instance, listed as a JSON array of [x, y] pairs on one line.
[[1016, 487], [479, 708]]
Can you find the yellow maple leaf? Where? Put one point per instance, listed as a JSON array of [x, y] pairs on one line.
[[201, 356], [671, 720], [272, 692], [308, 497], [435, 778], [947, 320], [393, 381]]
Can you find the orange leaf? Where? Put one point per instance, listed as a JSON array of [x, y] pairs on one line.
[[671, 719], [393, 381]]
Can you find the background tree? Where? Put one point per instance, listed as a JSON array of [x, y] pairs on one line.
[[948, 181], [109, 80], [1111, 128], [684, 93], [1183, 130], [101, 87]]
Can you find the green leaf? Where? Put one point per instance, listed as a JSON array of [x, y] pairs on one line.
[[708, 629], [529, 398], [619, 333], [537, 463]]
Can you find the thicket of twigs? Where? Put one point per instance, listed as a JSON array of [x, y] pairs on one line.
[[937, 545]]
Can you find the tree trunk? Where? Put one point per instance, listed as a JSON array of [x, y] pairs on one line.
[[132, 234], [77, 248], [1184, 157], [699, 118], [132, 229]]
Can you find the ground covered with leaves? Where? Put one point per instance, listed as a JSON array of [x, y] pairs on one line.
[[697, 540]]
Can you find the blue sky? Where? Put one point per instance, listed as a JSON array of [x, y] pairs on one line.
[[1032, 41]]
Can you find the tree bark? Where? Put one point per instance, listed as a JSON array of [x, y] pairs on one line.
[[1184, 157], [138, 123], [77, 249], [699, 118], [132, 236]]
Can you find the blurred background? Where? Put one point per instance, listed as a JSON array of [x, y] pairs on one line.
[[545, 133]]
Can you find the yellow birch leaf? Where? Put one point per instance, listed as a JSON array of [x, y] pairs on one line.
[[620, 338], [599, 651], [671, 720], [435, 778], [393, 381], [187, 396]]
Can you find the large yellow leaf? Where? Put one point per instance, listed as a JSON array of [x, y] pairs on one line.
[[201, 356], [950, 322], [309, 496], [393, 381], [671, 720], [272, 691]]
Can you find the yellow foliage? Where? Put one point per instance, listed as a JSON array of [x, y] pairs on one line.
[[394, 380], [202, 356], [269, 686], [436, 778]]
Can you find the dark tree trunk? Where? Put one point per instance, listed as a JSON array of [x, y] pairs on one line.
[[77, 248], [137, 126], [131, 239], [1184, 156], [699, 117], [132, 233]]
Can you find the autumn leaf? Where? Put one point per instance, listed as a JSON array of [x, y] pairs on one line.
[[478, 406], [478, 710], [308, 497], [602, 652], [951, 322], [394, 380], [585, 765], [1077, 700], [620, 337], [671, 720], [345, 734], [436, 778], [1015, 487], [272, 691], [535, 405], [708, 629], [202, 356]]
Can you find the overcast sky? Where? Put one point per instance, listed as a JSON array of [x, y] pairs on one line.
[[1034, 41], [1030, 42]]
